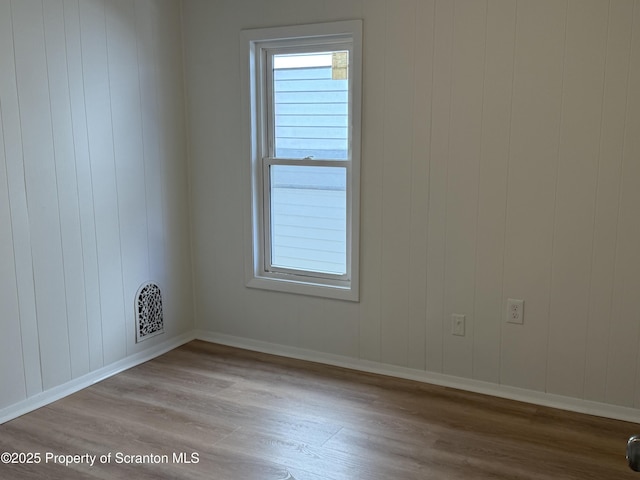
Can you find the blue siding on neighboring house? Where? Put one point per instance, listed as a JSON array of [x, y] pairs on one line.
[[308, 206], [311, 114], [312, 239]]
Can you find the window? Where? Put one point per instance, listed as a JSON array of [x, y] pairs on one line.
[[302, 90]]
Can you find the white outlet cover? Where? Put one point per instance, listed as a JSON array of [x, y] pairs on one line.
[[515, 311]]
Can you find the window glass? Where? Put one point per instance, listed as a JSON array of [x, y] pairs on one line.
[[308, 218], [311, 105]]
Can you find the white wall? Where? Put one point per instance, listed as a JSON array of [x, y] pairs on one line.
[[501, 153], [93, 184]]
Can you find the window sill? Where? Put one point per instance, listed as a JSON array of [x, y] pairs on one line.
[[289, 285]]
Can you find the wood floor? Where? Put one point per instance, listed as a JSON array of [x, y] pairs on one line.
[[245, 416]]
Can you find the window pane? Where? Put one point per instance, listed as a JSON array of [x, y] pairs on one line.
[[311, 105], [308, 218]]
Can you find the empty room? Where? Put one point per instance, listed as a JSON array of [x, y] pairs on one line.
[[319, 239]]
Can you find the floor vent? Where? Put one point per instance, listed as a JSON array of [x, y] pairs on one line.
[[149, 317]]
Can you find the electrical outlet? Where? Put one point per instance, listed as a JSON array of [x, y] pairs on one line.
[[457, 325], [515, 311]]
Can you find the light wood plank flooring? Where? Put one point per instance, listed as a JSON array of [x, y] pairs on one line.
[[250, 416]]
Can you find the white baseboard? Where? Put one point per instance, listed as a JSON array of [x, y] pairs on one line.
[[77, 384], [513, 393], [502, 391]]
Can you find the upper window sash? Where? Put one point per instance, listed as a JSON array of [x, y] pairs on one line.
[[269, 71]]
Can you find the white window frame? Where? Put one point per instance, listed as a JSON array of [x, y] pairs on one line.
[[257, 147]]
